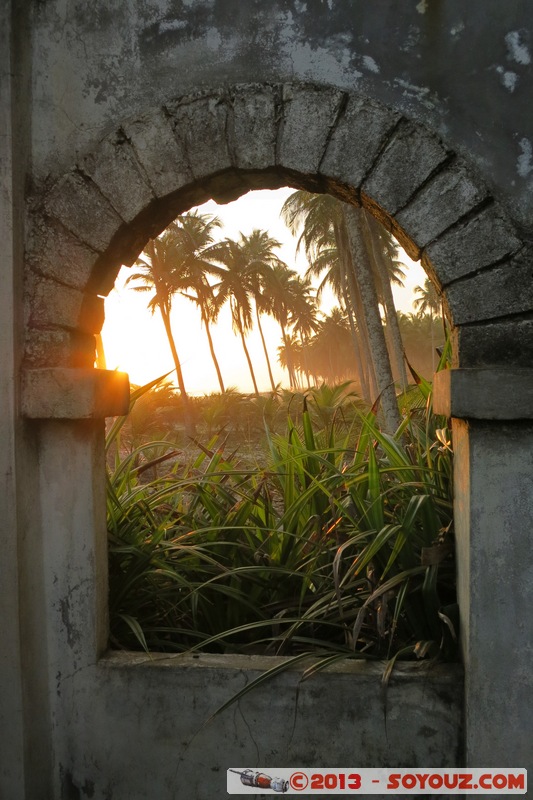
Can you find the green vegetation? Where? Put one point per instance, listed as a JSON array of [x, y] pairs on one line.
[[335, 542], [308, 523]]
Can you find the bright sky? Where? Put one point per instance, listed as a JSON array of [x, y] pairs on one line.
[[135, 341]]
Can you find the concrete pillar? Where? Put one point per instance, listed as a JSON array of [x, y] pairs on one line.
[[14, 53], [63, 558], [492, 413]]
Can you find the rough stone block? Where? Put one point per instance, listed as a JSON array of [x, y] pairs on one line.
[[356, 140], [472, 245], [498, 292], [54, 304], [59, 393], [308, 117], [56, 253], [50, 348], [447, 197], [408, 160], [115, 170], [485, 393], [254, 126], [161, 154], [499, 343], [78, 204], [200, 123]]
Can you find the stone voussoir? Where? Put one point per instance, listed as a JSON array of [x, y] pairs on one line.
[[159, 151], [254, 125], [406, 162], [52, 303], [79, 205], [58, 347], [357, 139], [496, 292], [308, 117], [448, 196], [500, 343], [113, 167], [61, 393], [56, 253], [473, 244], [200, 123]]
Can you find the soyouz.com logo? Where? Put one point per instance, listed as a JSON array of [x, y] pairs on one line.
[[376, 781]]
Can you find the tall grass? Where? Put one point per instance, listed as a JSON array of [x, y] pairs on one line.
[[339, 545]]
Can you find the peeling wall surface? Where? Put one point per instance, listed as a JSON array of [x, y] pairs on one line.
[[118, 115], [463, 69]]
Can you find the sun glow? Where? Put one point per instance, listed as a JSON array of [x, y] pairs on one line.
[[135, 341]]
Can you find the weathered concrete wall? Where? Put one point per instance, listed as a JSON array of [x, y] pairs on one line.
[[107, 146], [221, 142], [340, 717], [463, 69]]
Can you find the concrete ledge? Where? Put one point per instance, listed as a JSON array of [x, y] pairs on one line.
[[61, 393], [484, 393], [340, 716]]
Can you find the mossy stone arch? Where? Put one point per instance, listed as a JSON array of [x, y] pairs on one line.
[[222, 143]]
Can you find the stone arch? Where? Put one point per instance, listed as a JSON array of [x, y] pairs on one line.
[[223, 143]]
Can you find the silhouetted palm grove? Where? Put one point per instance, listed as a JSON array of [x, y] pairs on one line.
[[362, 338]]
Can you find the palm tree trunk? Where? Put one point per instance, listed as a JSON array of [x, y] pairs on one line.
[[271, 377], [354, 295], [247, 354], [212, 351], [365, 281], [355, 339], [290, 366], [366, 360], [395, 336], [187, 415]]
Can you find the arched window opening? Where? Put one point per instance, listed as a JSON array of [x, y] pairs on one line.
[[263, 502]]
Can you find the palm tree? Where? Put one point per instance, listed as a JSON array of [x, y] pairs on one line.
[[190, 238], [329, 347], [304, 320], [290, 357], [236, 286], [323, 236], [259, 249], [428, 302], [157, 275], [287, 292], [338, 239]]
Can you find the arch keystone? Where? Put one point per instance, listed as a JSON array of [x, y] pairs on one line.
[[308, 116], [201, 123], [254, 126]]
